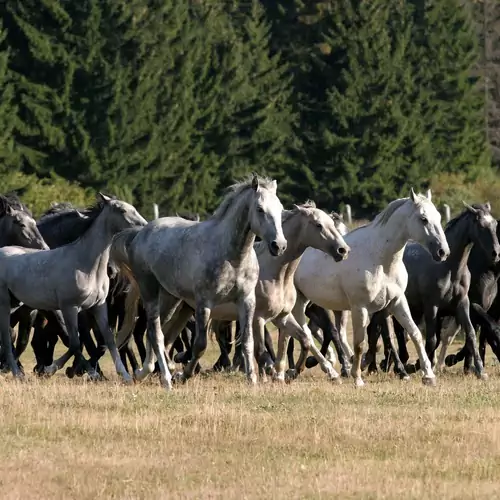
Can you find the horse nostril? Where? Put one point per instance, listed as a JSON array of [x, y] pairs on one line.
[[441, 253], [495, 254], [342, 250], [274, 246]]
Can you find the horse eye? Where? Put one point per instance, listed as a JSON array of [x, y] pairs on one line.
[[424, 220], [260, 210], [319, 225]]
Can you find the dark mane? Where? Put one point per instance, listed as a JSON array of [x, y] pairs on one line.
[[12, 201], [189, 216], [65, 215], [453, 222]]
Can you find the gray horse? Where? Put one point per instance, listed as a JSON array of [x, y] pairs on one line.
[[17, 226], [204, 264], [66, 280]]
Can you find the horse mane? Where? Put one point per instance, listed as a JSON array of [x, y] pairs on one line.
[[59, 208], [188, 216], [12, 201], [288, 214], [383, 217], [453, 222], [233, 192], [62, 211]]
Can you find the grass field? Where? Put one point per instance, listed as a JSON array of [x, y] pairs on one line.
[[216, 437]]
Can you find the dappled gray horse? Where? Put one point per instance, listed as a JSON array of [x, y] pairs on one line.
[[204, 264], [305, 226], [67, 279]]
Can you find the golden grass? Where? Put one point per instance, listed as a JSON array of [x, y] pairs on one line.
[[216, 437]]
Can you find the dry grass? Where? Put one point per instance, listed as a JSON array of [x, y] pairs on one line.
[[217, 438]]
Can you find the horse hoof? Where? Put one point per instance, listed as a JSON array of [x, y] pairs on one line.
[[482, 376], [291, 374], [344, 372], [311, 362], [450, 360], [50, 370], [179, 378], [404, 377], [359, 382], [336, 380], [252, 379], [430, 381], [410, 368], [70, 372], [279, 378]]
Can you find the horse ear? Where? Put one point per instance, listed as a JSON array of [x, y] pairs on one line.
[[274, 185], [8, 210], [487, 205], [103, 197], [413, 196], [255, 183], [469, 208], [429, 196]]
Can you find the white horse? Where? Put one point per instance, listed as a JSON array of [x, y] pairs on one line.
[[374, 277]]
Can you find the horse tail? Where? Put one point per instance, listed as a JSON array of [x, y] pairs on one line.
[[119, 256]]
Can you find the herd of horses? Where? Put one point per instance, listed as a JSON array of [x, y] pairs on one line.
[[103, 278]]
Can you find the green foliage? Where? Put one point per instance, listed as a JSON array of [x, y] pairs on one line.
[[39, 194], [452, 189], [342, 101], [8, 157]]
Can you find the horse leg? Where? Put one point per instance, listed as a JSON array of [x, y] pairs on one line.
[[289, 354], [341, 320], [246, 311], [269, 343], [199, 344], [100, 314], [370, 358], [296, 325], [326, 320], [399, 332], [388, 336], [431, 341], [279, 364], [447, 338], [6, 334], [139, 331], [264, 361], [318, 334], [173, 327], [400, 310], [26, 320], [223, 337], [70, 320]]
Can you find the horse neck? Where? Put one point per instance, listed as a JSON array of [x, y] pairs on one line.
[[283, 268], [237, 238], [460, 245], [390, 239], [96, 242]]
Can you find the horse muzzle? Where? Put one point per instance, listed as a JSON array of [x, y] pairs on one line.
[[277, 247], [340, 253]]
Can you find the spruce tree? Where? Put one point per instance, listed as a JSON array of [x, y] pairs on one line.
[[8, 157]]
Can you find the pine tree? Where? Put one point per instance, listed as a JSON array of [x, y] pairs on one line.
[[444, 58], [37, 65], [8, 157]]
